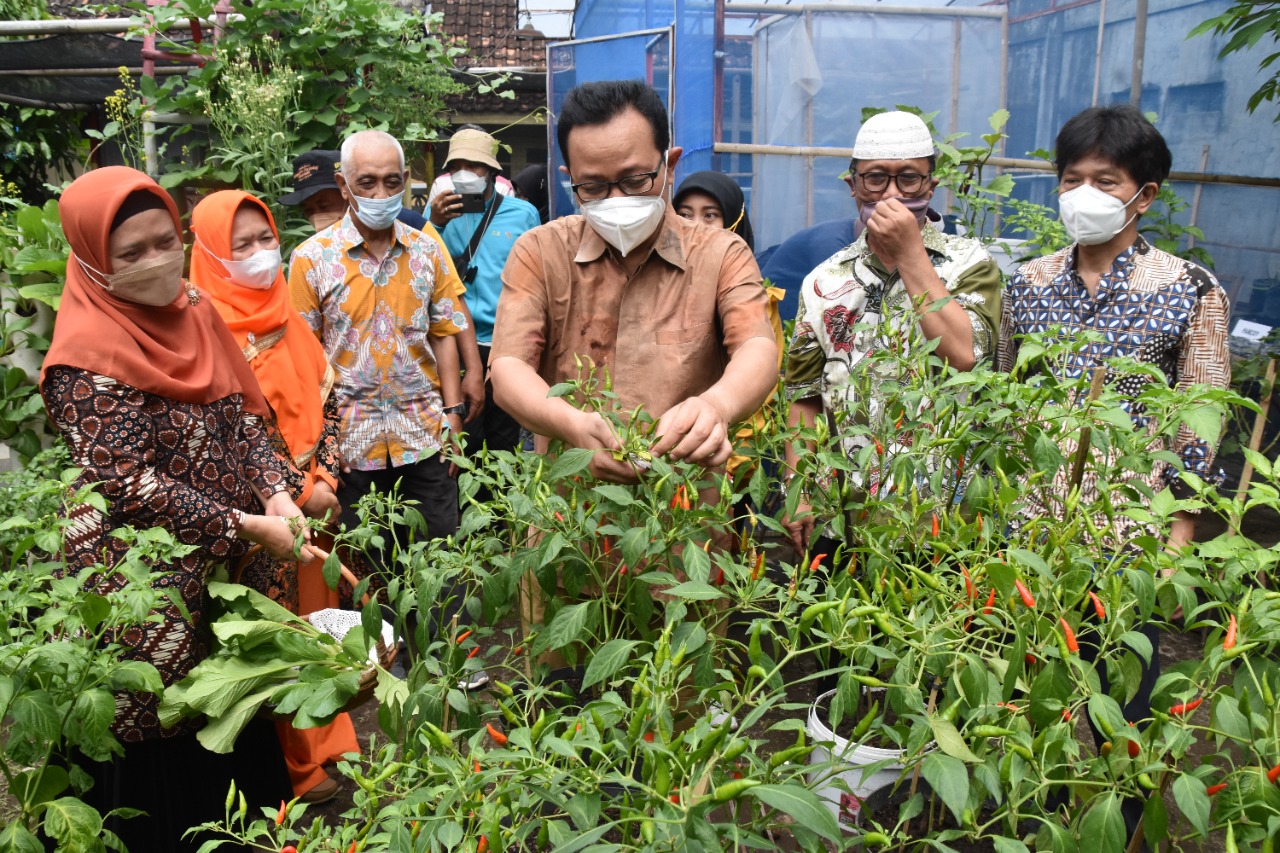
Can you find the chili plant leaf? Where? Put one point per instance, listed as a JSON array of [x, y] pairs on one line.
[[1193, 801], [1155, 821], [1103, 825], [949, 779], [73, 823], [950, 741], [802, 805], [610, 658]]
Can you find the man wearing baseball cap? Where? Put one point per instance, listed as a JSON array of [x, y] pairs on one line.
[[889, 279], [479, 242], [315, 190]]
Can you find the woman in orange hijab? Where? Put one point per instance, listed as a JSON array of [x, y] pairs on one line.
[[141, 382], [236, 262]]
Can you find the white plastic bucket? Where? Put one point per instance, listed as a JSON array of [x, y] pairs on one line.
[[847, 805]]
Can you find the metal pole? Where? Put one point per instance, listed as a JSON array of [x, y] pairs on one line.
[[802, 8], [718, 58], [808, 136], [955, 90], [150, 153], [86, 25], [1139, 49], [1097, 57], [1195, 197]]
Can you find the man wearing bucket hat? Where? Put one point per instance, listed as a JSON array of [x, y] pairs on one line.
[[479, 242], [889, 278], [315, 190]]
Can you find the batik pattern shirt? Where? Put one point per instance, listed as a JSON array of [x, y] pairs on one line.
[[851, 306], [1152, 307], [375, 319], [187, 467]]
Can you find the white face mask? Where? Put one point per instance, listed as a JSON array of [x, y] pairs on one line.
[[258, 271], [1092, 217], [468, 183], [156, 282], [378, 214], [625, 222]]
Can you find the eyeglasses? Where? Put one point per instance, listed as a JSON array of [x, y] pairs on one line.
[[908, 182], [637, 184]]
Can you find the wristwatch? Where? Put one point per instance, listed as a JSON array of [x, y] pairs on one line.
[[459, 409]]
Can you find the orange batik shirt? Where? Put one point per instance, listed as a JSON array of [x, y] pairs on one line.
[[374, 320]]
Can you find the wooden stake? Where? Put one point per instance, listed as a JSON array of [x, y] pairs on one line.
[[1086, 432], [1259, 425]]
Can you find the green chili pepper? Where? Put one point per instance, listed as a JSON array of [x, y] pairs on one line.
[[734, 789], [992, 731], [867, 680], [875, 839], [790, 754], [813, 611], [539, 726], [438, 737], [864, 725], [735, 748]]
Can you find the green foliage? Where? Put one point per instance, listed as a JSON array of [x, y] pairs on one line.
[[35, 144], [293, 76], [1249, 23], [1160, 226], [60, 661]]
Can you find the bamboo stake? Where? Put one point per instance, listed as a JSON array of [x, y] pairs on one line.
[[1259, 424], [1086, 431]]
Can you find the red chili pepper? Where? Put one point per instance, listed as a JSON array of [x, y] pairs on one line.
[[288, 848], [879, 447], [1072, 645], [483, 844], [1273, 774], [815, 562], [280, 815], [969, 589], [518, 650], [1097, 606], [684, 498], [498, 737], [1029, 658], [675, 798], [933, 529], [476, 765], [718, 577], [622, 570], [1066, 715], [607, 546], [1134, 749], [991, 600], [462, 637], [1214, 789], [1027, 598], [1231, 634], [648, 737], [979, 522], [352, 848], [759, 567], [559, 518], [1184, 709], [473, 653]]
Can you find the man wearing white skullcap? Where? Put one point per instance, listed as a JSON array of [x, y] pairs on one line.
[[879, 292]]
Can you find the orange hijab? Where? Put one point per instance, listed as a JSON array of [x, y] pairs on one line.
[[293, 371], [178, 351]]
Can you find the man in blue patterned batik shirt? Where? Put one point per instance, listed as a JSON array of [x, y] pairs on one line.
[[1147, 305]]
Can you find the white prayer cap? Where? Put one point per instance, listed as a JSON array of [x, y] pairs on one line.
[[893, 136]]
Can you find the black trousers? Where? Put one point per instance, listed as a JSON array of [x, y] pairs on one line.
[[494, 428]]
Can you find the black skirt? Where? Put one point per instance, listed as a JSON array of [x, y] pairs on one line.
[[180, 785]]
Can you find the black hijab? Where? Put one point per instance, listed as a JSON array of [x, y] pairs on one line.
[[728, 195], [532, 184]]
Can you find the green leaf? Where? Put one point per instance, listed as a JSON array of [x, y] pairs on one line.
[[695, 591], [35, 716], [950, 741], [74, 824], [33, 787], [1155, 821], [568, 625], [614, 494], [1226, 717], [1193, 801], [220, 733], [949, 779], [802, 805], [1008, 845], [611, 657], [16, 838], [1103, 825]]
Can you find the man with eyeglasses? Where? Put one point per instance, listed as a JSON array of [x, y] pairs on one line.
[[673, 310], [880, 292]]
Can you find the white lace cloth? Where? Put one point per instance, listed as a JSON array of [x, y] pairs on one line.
[[338, 623]]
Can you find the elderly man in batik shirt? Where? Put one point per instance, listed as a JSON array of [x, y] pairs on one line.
[[879, 293]]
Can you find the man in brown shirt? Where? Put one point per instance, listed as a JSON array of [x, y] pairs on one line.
[[675, 310]]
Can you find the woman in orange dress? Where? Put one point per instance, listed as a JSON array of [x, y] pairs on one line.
[[236, 262]]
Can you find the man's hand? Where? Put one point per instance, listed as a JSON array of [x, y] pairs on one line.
[[695, 431], [447, 206], [473, 394], [323, 503], [592, 432], [800, 526], [893, 233], [455, 446]]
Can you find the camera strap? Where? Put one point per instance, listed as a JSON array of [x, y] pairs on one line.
[[462, 263]]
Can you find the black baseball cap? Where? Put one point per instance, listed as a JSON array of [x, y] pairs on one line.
[[312, 172]]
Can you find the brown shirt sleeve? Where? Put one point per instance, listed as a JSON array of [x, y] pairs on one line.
[[520, 329], [742, 301]]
